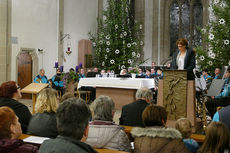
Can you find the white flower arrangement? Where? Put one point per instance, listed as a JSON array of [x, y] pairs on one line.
[[226, 42], [202, 58], [116, 26], [211, 36], [101, 42], [210, 63], [210, 54], [138, 55], [117, 51], [121, 35], [106, 56], [133, 54], [134, 43], [108, 43], [130, 61], [221, 21], [123, 67], [203, 30], [107, 50], [128, 45], [112, 61], [103, 63], [213, 56], [216, 1], [125, 33], [107, 37], [222, 5], [210, 49], [94, 44]]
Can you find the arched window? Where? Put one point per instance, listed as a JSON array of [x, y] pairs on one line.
[[185, 19]]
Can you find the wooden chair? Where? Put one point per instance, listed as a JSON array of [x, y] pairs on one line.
[[78, 93]]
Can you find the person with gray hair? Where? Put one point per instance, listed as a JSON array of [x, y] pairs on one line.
[[73, 124], [103, 133], [131, 114], [41, 78]]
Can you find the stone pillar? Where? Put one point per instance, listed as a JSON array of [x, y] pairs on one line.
[[84, 48]]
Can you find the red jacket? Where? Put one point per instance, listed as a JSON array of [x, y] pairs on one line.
[[16, 146]]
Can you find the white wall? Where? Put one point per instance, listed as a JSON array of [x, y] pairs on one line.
[[35, 24], [79, 19]]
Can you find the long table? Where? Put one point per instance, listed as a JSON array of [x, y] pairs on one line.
[[121, 90]]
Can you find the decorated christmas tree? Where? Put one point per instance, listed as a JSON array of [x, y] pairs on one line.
[[216, 36], [118, 43]]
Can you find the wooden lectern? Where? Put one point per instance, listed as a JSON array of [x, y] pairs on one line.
[[177, 95], [34, 89]]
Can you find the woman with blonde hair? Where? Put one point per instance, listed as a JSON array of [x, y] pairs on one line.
[[44, 123], [217, 139]]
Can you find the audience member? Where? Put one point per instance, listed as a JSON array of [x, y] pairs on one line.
[[155, 137], [10, 131], [123, 72], [10, 93], [41, 78], [140, 73], [44, 122], [205, 74], [95, 69], [82, 73], [67, 95], [217, 139], [217, 73], [148, 74], [103, 133], [131, 113], [153, 72], [223, 116], [57, 82], [73, 125], [185, 127]]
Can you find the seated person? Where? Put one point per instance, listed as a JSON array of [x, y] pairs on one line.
[[67, 95], [217, 73], [103, 133], [10, 93], [82, 73], [44, 123], [131, 114], [41, 78], [10, 131], [123, 72], [148, 74], [205, 75], [57, 82], [217, 139], [223, 99], [185, 127], [73, 126], [140, 74], [155, 137], [153, 72], [160, 73], [222, 115]]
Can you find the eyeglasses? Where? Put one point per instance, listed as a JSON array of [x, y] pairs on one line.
[[18, 87], [179, 46]]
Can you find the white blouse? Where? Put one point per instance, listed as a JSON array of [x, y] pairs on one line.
[[180, 61]]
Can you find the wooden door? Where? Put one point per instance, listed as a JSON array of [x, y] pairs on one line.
[[24, 61]]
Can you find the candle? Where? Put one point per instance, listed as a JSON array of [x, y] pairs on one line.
[[76, 69], [61, 68], [56, 64], [80, 65]]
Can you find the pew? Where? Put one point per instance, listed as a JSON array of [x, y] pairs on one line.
[[24, 136]]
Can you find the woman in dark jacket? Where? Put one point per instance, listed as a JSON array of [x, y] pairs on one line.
[[9, 94], [184, 58], [44, 123]]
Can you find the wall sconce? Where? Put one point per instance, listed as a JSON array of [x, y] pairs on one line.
[[63, 36]]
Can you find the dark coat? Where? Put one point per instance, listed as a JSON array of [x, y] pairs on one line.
[[189, 62], [16, 146], [65, 145], [43, 125], [20, 110], [131, 114]]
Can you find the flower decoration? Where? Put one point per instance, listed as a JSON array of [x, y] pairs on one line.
[[201, 58], [117, 51], [116, 26], [210, 62], [213, 56], [103, 63], [210, 53], [216, 1], [226, 42], [101, 42], [125, 33], [94, 44], [128, 45], [104, 18], [211, 36], [133, 54], [112, 61], [141, 43], [121, 35], [107, 43], [134, 43], [106, 56], [107, 37], [221, 21], [123, 67], [138, 55], [130, 61], [107, 50]]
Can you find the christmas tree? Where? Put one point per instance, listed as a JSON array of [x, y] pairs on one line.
[[216, 36], [118, 43]]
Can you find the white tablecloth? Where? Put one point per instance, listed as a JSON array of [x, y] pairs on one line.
[[127, 83]]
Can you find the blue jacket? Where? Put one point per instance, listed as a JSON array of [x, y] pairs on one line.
[[56, 81], [223, 116], [225, 92], [40, 79]]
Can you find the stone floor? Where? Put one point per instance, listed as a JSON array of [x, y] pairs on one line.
[[28, 103]]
